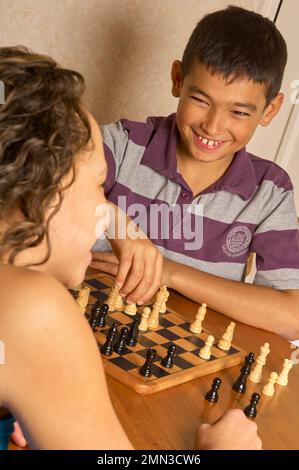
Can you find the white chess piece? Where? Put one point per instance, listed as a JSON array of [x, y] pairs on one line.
[[153, 321], [119, 305], [130, 309], [82, 299], [225, 342], [256, 374], [205, 351], [283, 376], [196, 327], [269, 388], [112, 297], [165, 298], [143, 325]]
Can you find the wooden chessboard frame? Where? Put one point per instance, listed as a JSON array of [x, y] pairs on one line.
[[132, 379]]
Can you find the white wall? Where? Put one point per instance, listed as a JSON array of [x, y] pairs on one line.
[[124, 48], [280, 141]]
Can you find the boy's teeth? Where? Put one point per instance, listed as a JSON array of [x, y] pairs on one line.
[[211, 143]]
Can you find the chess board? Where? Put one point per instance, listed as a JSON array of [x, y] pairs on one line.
[[173, 329]]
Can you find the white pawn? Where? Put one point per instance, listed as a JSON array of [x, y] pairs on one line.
[[143, 325], [225, 342], [255, 375], [269, 388], [205, 351], [131, 309], [283, 376], [196, 327]]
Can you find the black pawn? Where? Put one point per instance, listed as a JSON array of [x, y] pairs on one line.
[[107, 347], [101, 319], [120, 346], [240, 384], [146, 369], [167, 361], [212, 395], [250, 410], [133, 332]]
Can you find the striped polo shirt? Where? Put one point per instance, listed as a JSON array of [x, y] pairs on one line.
[[249, 209]]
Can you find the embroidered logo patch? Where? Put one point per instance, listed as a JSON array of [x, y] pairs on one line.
[[237, 241]]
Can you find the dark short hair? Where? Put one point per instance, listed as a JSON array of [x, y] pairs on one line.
[[42, 127], [237, 43]]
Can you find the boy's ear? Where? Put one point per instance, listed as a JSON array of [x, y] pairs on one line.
[[177, 78], [272, 109]]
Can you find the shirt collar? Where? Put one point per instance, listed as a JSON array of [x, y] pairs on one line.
[[240, 176], [160, 155]]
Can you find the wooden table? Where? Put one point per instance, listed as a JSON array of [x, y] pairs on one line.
[[168, 419]]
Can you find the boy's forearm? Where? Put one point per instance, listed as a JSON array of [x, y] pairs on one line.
[[262, 307]]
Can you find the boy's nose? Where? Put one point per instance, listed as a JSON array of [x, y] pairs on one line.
[[213, 125]]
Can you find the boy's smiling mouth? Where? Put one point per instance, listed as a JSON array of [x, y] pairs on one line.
[[207, 144]]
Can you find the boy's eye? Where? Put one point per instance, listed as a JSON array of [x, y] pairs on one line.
[[240, 113], [199, 100]]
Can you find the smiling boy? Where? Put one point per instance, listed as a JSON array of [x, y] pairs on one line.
[[227, 83]]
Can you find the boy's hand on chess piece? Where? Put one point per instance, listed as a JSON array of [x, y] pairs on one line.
[[231, 432], [137, 265]]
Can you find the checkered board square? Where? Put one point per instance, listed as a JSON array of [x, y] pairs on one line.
[[173, 329]]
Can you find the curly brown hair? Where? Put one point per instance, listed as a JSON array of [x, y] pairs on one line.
[[42, 127]]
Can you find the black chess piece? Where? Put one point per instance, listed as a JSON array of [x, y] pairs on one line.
[[93, 321], [250, 410], [120, 346], [101, 319], [212, 395], [133, 332], [168, 361], [98, 303], [239, 385], [146, 369], [107, 347]]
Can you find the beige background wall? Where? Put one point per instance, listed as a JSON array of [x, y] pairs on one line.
[[124, 48]]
